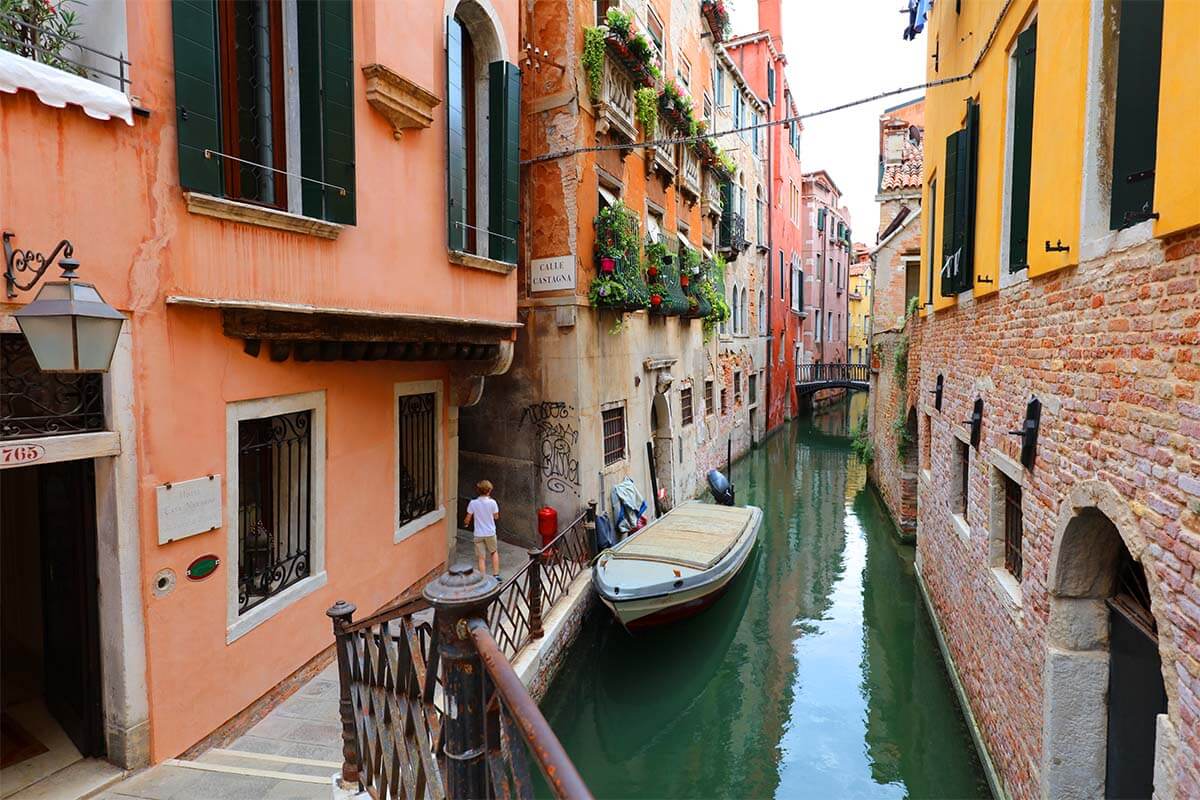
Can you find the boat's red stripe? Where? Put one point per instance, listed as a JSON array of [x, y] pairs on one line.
[[676, 613]]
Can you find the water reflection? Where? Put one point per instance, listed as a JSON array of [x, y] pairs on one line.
[[817, 675]]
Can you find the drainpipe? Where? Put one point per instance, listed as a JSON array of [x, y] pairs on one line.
[[769, 388]]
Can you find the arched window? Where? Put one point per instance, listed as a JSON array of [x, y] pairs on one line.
[[762, 317], [745, 310], [483, 101]]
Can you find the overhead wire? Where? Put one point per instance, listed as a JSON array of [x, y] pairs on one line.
[[664, 142]]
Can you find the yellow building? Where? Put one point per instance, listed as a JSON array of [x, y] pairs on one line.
[[858, 334], [1053, 395]]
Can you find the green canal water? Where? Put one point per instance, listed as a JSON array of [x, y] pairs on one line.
[[817, 675]]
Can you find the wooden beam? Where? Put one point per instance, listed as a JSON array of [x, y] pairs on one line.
[[294, 326], [280, 350]]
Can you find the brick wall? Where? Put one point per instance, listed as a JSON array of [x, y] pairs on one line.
[[893, 475], [1112, 349]]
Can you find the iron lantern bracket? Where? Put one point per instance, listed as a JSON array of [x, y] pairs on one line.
[[17, 261]]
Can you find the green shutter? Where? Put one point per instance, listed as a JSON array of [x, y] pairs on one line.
[[456, 138], [197, 94], [771, 84], [949, 204], [1022, 150], [1135, 131], [504, 157], [326, 48], [820, 219], [969, 168], [337, 110]]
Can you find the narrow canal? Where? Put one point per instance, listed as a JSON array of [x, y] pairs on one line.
[[817, 675]]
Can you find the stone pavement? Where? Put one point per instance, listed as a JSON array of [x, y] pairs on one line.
[[291, 754]]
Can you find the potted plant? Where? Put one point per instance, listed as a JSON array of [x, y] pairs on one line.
[[716, 14]]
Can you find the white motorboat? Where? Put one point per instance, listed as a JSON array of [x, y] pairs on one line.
[[677, 565]]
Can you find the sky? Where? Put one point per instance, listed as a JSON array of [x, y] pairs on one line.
[[841, 50]]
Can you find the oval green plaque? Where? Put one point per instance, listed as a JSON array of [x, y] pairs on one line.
[[202, 567]]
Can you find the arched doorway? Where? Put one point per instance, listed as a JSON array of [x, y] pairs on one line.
[[660, 424], [908, 476], [1104, 686]]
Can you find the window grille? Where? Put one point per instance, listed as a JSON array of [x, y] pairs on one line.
[[753, 389], [274, 505], [964, 467], [36, 403], [1013, 524], [685, 404], [724, 400], [708, 397], [417, 447], [614, 434]]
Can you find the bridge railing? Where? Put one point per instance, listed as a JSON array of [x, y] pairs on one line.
[[832, 373]]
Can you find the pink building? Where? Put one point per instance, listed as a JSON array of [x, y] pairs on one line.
[[312, 291], [825, 268], [762, 59]]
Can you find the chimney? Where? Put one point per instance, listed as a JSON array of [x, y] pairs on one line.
[[770, 18]]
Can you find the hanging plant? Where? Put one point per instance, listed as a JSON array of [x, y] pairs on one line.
[[593, 59], [646, 110], [619, 283], [712, 289], [726, 164], [619, 23]]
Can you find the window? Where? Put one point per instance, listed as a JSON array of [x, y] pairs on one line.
[[781, 283], [958, 212], [36, 403], [753, 388], [912, 279], [654, 27], [418, 450], [719, 84], [1013, 527], [1021, 156], [932, 264], [738, 111], [708, 111], [724, 400], [754, 132], [770, 84], [230, 62], [602, 7], [686, 409], [1135, 127], [745, 310], [762, 315], [613, 420], [737, 387], [483, 102], [708, 397], [760, 216], [817, 325], [683, 70], [964, 477]]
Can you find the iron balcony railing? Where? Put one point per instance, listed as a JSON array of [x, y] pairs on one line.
[[18, 35], [400, 673], [733, 233]]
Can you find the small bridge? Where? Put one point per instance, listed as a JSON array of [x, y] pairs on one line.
[[812, 378]]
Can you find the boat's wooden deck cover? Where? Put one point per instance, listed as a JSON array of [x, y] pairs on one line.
[[694, 535]]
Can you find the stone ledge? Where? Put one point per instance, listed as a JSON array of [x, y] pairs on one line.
[[233, 211], [405, 104], [472, 261], [961, 527], [1008, 589]]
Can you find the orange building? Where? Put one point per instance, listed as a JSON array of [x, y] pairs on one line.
[[283, 401]]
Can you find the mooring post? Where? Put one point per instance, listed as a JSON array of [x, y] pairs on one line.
[[535, 594], [457, 596], [342, 614]]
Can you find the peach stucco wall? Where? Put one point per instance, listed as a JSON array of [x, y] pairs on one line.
[[114, 191]]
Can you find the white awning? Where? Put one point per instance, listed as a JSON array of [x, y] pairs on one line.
[[57, 88]]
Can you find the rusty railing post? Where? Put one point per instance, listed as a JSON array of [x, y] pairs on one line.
[[535, 594], [457, 596], [342, 614], [589, 527]]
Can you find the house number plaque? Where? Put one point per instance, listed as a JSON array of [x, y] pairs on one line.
[[188, 507]]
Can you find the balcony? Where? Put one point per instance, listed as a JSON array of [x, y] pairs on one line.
[[732, 235], [712, 193], [614, 108], [692, 173], [663, 161]]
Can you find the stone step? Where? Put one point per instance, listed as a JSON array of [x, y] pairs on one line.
[[290, 765], [85, 778]]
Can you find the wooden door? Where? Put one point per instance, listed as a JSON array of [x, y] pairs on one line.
[[1135, 697], [70, 602]]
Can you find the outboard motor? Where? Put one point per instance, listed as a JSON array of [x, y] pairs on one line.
[[720, 487]]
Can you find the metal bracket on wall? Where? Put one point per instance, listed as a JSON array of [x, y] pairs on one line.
[[1057, 247], [16, 261]]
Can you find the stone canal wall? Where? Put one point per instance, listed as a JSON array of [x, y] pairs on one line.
[[1112, 350], [539, 661], [892, 473]]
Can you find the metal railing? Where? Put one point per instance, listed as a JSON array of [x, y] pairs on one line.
[[832, 373], [18, 35], [732, 233], [515, 619], [398, 676]]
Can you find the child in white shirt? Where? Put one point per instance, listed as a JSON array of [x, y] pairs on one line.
[[484, 512]]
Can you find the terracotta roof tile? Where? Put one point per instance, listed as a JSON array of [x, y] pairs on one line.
[[907, 173]]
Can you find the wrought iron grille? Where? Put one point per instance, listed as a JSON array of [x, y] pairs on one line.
[[753, 389], [274, 505], [614, 434], [417, 431], [685, 405], [708, 398], [964, 472], [36, 403], [1013, 527], [1132, 597]]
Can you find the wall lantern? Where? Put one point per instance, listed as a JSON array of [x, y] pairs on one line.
[[68, 325], [1029, 432], [937, 393], [976, 422]]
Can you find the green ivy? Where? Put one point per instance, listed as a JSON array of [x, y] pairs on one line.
[[593, 59], [904, 439], [861, 445], [646, 103], [712, 290]]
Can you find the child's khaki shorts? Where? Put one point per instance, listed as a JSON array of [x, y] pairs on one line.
[[485, 546]]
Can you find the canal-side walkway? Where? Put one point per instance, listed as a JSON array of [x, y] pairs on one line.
[[291, 754]]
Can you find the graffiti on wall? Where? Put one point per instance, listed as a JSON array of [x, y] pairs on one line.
[[557, 439]]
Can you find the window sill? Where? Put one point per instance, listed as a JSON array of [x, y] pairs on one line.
[[234, 211], [1008, 588], [472, 261], [961, 527], [419, 524], [261, 613]]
